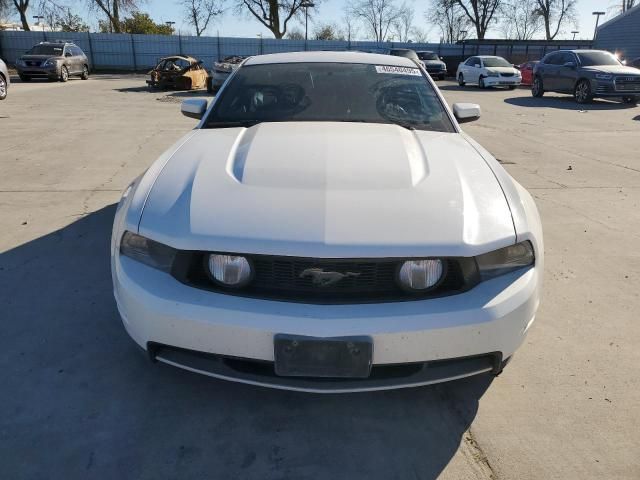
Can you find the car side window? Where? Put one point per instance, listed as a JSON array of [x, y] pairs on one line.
[[68, 52], [469, 62], [554, 59]]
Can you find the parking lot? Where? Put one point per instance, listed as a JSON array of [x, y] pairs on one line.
[[79, 401]]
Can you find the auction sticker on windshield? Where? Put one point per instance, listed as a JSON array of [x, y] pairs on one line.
[[397, 70]]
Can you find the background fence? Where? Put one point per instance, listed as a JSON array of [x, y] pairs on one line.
[[111, 51]]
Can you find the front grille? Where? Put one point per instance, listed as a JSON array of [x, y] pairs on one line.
[[279, 278], [507, 74], [628, 84], [33, 63]]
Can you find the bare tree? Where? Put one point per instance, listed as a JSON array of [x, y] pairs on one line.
[[4, 9], [480, 13], [520, 19], [377, 15], [271, 12], [627, 4], [112, 10], [402, 26], [350, 26], [555, 14], [21, 7], [295, 34], [199, 13], [450, 18]]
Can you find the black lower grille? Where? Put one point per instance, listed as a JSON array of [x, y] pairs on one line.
[[361, 280]]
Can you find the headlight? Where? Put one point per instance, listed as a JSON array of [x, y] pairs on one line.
[[49, 63], [149, 252], [420, 275], [505, 260], [229, 270], [604, 76]]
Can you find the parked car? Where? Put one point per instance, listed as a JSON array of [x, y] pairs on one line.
[[5, 80], [635, 63], [327, 226], [178, 72], [434, 64], [488, 71], [526, 71], [406, 53], [53, 60], [221, 71], [586, 74]]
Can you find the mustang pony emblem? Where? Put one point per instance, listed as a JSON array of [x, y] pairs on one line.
[[324, 279]]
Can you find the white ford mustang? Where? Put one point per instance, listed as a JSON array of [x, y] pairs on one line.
[[328, 227]]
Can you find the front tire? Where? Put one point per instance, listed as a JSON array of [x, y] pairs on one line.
[[25, 78], [64, 74], [481, 84], [85, 73], [630, 100], [441, 77], [582, 92], [512, 87], [537, 89], [461, 81], [3, 88]]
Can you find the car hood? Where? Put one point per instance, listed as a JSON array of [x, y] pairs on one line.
[[39, 57], [614, 69], [502, 69], [328, 190]]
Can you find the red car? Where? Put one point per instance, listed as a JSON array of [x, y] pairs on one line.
[[526, 69]]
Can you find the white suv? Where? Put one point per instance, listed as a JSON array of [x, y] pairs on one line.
[[488, 71]]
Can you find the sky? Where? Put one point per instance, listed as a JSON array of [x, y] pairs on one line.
[[331, 11]]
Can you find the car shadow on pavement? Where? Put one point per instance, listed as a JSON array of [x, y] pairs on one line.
[[79, 398], [474, 88], [567, 102]]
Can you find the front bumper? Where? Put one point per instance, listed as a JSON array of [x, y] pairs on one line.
[[490, 319], [49, 72], [608, 88], [502, 81]]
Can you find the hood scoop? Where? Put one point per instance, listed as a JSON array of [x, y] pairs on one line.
[[308, 155]]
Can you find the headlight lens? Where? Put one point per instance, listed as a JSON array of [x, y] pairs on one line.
[[229, 270], [49, 63], [505, 260], [149, 252], [603, 76], [420, 275]]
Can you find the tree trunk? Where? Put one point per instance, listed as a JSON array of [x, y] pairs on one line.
[[22, 6], [115, 18]]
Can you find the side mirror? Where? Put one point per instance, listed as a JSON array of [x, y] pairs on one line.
[[466, 112], [570, 64], [194, 108]]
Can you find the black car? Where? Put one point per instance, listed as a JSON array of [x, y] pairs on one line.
[[53, 60], [434, 64], [586, 74], [406, 53]]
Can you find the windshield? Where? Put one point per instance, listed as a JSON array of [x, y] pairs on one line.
[[428, 56], [46, 50], [329, 92], [405, 53], [495, 62], [588, 59]]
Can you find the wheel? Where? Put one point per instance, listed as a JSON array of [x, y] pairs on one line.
[[64, 74], [512, 87], [582, 92], [209, 85], [3, 88], [461, 80], [441, 77], [481, 83], [630, 100], [537, 89], [25, 78], [85, 73]]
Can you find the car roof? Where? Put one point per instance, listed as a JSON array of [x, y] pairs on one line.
[[331, 57]]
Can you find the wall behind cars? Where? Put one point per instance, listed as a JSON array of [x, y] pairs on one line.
[[112, 51], [621, 34]]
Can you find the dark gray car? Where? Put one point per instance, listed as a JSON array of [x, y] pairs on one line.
[[433, 64], [4, 80], [586, 74], [53, 60]]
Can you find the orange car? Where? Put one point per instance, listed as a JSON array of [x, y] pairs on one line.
[[180, 73]]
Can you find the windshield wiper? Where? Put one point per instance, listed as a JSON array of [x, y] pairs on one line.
[[238, 123]]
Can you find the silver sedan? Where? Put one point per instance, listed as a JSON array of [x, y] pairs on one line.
[[4, 80]]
